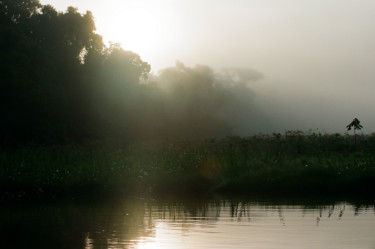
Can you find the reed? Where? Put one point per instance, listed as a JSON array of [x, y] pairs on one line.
[[295, 162]]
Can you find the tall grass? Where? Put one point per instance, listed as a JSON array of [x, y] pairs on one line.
[[291, 162]]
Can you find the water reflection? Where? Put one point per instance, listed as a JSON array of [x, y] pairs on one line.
[[204, 224]]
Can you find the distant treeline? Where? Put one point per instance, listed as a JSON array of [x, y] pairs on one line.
[[60, 83]]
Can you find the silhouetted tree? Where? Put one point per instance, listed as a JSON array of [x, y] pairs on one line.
[[19, 10], [60, 83], [52, 66], [355, 124]]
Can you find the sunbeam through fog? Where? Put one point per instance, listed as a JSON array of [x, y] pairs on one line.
[[317, 57]]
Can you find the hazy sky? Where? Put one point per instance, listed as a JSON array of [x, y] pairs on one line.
[[319, 54]]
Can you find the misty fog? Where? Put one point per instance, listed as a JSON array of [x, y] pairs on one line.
[[241, 69], [256, 104]]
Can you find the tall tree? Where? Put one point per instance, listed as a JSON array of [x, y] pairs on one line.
[[58, 78], [356, 125]]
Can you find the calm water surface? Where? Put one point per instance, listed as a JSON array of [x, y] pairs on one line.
[[141, 224]]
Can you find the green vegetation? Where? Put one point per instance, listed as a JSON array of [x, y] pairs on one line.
[[291, 163], [62, 88], [60, 84]]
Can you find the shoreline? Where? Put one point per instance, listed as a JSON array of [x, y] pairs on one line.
[[290, 164]]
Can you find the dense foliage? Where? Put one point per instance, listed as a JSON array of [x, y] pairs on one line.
[[60, 84], [78, 112], [290, 163], [53, 67]]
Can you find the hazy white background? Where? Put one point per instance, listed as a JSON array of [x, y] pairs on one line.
[[317, 56]]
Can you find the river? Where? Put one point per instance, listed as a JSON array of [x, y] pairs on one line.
[[171, 224]]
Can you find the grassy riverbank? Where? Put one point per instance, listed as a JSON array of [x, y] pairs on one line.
[[293, 162]]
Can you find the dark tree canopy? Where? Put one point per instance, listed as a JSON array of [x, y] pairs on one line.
[[61, 84], [19, 10], [51, 63]]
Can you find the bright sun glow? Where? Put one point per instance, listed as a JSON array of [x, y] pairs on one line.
[[155, 29], [165, 238], [138, 26]]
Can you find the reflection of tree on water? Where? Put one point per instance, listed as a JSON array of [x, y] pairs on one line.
[[134, 221], [281, 216], [118, 226], [239, 210], [43, 227], [188, 216], [330, 211]]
